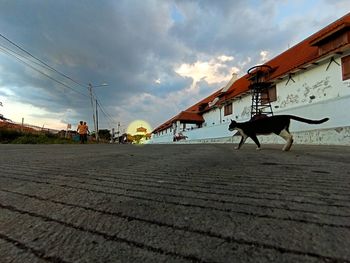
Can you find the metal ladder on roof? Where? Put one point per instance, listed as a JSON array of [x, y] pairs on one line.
[[259, 86]]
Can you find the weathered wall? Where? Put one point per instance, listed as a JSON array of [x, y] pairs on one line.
[[314, 93], [333, 136]]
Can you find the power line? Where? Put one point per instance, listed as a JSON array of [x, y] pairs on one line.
[[48, 66], [20, 55], [48, 76], [105, 112], [110, 124], [109, 118]]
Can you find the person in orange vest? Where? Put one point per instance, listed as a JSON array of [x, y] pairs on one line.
[[86, 131], [81, 131]]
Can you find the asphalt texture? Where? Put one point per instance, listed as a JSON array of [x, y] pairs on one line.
[[174, 203]]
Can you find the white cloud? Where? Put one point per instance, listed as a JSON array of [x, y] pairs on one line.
[[156, 109], [6, 91], [213, 71], [224, 58], [199, 37], [244, 63], [235, 70], [33, 115], [264, 56]]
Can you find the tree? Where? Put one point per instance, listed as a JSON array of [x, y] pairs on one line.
[[137, 138], [104, 134]]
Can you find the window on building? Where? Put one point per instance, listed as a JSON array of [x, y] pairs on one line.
[[272, 95], [345, 65], [228, 109]]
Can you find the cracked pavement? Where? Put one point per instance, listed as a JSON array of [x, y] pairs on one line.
[[174, 203]]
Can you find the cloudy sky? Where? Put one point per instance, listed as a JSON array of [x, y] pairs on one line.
[[158, 57]]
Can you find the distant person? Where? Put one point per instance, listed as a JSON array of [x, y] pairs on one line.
[[81, 131], [86, 132]]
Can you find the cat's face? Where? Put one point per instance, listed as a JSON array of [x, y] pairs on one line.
[[232, 126]]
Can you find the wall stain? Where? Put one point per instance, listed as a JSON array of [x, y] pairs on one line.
[[339, 130], [290, 100], [246, 112], [318, 90], [347, 84]]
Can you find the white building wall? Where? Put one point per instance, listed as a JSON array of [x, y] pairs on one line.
[[214, 131], [212, 117], [216, 116], [227, 119], [165, 138], [315, 93], [191, 126], [242, 108]]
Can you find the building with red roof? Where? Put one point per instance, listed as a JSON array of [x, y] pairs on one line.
[[310, 79], [141, 130]]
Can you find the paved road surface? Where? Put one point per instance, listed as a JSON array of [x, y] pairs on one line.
[[174, 203]]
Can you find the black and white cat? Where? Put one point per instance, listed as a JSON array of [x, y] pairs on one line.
[[278, 124]]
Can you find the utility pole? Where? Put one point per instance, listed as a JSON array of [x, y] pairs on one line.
[[93, 112], [118, 131], [94, 109], [97, 137], [112, 136]]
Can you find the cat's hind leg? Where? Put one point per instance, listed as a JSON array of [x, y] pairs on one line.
[[255, 139], [289, 139]]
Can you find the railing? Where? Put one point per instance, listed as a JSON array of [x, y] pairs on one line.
[[25, 127]]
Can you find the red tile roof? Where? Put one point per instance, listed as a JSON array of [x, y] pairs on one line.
[[192, 117], [304, 53], [199, 106], [141, 129], [292, 59], [184, 117], [193, 113], [164, 126]]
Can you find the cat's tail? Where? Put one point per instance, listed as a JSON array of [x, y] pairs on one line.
[[308, 120]]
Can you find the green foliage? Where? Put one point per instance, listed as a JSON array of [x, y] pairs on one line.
[[30, 139], [16, 137], [137, 138], [7, 135], [104, 134]]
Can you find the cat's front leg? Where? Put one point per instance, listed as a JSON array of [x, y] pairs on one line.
[[243, 139]]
